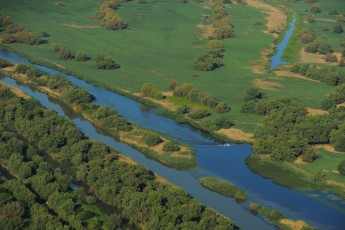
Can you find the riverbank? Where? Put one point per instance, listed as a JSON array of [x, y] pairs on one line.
[[151, 143]]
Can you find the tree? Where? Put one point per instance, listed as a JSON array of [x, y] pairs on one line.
[[222, 108], [105, 62], [307, 36], [338, 29], [81, 56], [172, 84], [112, 21], [341, 167], [207, 62], [315, 8]]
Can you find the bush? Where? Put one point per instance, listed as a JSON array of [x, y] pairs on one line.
[[65, 54], [307, 36], [207, 62], [105, 62], [148, 90], [222, 122], [197, 113], [222, 108], [315, 8], [341, 167], [319, 176], [171, 147], [338, 29], [325, 48], [152, 139], [240, 196], [21, 68], [254, 208], [312, 47], [81, 56], [4, 63], [112, 21], [56, 47], [331, 58]]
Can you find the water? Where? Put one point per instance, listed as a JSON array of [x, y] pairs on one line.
[[276, 59], [214, 159]]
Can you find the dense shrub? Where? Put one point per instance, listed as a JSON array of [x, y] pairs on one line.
[[152, 139], [197, 113], [171, 147], [341, 167], [207, 62], [81, 56], [4, 63], [222, 108], [338, 29], [307, 36], [105, 62], [331, 58]]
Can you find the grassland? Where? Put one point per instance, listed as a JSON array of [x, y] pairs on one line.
[[160, 43], [322, 174], [322, 20]]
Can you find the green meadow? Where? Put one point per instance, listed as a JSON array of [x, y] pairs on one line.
[[160, 43]]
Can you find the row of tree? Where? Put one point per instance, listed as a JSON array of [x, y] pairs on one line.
[[110, 20], [222, 28], [104, 117], [130, 188], [288, 132], [102, 61], [16, 33]]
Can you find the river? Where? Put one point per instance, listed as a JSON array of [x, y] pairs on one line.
[[276, 60], [228, 162]]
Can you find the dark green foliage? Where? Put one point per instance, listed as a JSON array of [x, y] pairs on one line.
[[315, 8], [207, 62], [81, 56], [337, 138], [197, 113], [338, 29], [307, 36], [277, 136], [171, 147], [105, 62], [341, 167], [223, 187], [148, 90], [65, 54], [327, 74], [4, 63], [222, 122], [222, 108], [21, 68], [152, 139], [325, 48], [76, 95], [130, 188]]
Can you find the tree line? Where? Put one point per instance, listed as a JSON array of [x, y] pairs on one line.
[[222, 28], [102, 61], [17, 33], [79, 100], [288, 132], [130, 188]]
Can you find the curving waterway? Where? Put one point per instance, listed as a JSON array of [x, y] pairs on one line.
[[228, 162], [276, 60]]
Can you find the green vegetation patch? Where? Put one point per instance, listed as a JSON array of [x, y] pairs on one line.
[[223, 187]]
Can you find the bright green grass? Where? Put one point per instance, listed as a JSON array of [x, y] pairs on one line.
[[326, 6], [326, 161], [179, 101], [160, 44]]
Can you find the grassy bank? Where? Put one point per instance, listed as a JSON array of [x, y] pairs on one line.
[[223, 187], [314, 176]]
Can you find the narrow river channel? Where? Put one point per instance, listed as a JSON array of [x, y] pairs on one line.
[[317, 208]]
